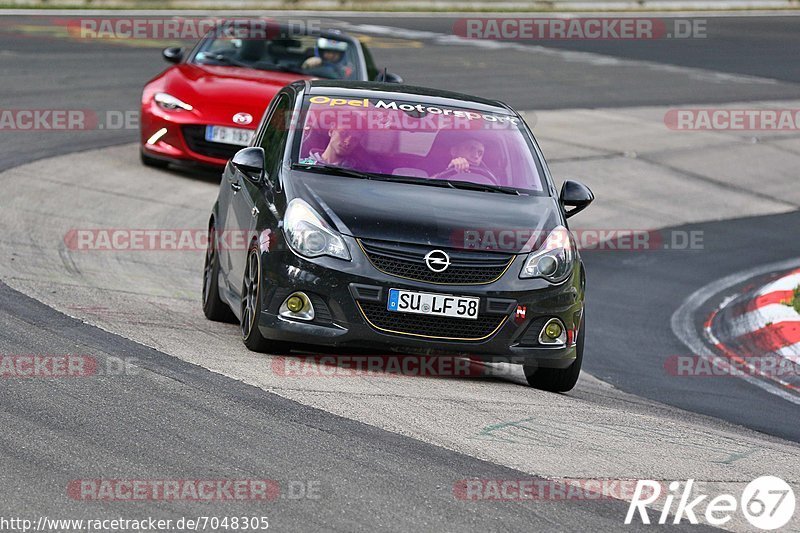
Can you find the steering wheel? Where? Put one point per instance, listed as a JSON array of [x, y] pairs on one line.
[[485, 172]]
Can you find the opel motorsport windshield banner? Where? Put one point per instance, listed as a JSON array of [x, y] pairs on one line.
[[382, 114]]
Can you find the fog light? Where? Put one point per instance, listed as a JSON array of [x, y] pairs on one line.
[[553, 330], [553, 333], [297, 305]]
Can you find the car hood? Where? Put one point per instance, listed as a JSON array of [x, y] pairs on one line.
[[421, 214], [218, 92]]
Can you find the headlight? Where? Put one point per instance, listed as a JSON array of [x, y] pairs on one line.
[[554, 260], [309, 235], [169, 102]]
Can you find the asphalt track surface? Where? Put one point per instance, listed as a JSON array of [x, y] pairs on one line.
[[172, 417], [178, 417], [756, 46]]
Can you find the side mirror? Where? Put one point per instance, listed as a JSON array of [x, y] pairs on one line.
[[173, 54], [388, 77], [577, 195], [250, 162]]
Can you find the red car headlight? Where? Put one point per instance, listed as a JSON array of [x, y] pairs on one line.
[[170, 103]]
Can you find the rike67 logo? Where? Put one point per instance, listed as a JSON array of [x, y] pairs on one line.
[[767, 503]]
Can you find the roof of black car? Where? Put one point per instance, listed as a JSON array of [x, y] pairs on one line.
[[409, 93]]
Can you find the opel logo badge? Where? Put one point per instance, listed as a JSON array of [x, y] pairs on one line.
[[242, 118], [437, 260]]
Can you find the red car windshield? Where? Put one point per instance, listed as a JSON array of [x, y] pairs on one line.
[[308, 55], [413, 139]]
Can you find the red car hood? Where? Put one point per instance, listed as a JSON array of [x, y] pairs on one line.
[[219, 92]]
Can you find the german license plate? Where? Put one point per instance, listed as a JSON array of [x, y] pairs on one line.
[[222, 134], [425, 303]]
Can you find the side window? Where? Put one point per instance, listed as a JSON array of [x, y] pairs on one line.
[[275, 134]]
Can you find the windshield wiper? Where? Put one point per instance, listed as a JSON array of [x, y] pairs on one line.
[[458, 184], [417, 181], [453, 184], [332, 169], [371, 175]]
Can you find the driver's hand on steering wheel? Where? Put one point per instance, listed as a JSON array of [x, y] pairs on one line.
[[311, 62], [460, 164]]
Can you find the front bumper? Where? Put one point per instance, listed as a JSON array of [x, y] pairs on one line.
[[181, 142], [349, 298]]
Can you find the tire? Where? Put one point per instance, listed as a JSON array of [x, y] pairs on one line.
[[152, 162], [213, 306], [559, 379], [251, 307]]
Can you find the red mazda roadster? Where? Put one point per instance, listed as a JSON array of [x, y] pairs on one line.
[[205, 107]]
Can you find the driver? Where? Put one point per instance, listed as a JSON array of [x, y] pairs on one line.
[[328, 59], [467, 153]]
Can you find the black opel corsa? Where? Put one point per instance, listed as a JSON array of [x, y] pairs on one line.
[[398, 218]]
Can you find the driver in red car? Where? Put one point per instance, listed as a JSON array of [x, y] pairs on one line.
[[328, 60]]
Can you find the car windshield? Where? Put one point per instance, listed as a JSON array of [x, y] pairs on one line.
[[321, 57], [432, 144]]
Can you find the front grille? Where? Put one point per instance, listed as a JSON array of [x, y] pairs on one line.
[[408, 261], [195, 136], [430, 326]]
